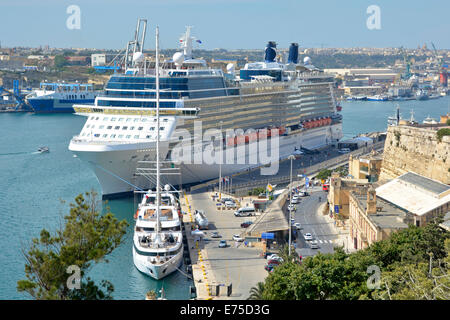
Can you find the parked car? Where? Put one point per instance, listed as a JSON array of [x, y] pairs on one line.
[[237, 238], [269, 267], [223, 244], [230, 204], [303, 194], [308, 236], [274, 261], [292, 207], [246, 224], [298, 225], [272, 256], [223, 200], [215, 234], [314, 245], [344, 150], [294, 200]]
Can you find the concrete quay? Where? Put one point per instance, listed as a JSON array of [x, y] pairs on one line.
[[237, 265]]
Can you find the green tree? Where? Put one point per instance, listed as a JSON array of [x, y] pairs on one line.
[[424, 281], [60, 62], [323, 174], [404, 260], [86, 238]]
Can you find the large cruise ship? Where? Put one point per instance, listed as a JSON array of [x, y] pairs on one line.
[[268, 101]]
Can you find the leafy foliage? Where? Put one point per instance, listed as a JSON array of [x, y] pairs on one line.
[[404, 261], [324, 174], [86, 238], [442, 132]]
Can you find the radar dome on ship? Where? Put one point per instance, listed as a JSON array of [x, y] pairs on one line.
[[138, 56], [178, 58], [230, 67], [307, 60]]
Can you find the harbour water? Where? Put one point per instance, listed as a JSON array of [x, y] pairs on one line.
[[32, 185]]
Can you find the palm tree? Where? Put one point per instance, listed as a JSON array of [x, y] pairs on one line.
[[256, 293]]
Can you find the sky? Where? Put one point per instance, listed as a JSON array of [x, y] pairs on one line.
[[228, 24]]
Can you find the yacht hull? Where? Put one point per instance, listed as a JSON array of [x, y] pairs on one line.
[[157, 271]]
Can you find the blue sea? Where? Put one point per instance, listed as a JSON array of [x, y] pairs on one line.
[[33, 186]]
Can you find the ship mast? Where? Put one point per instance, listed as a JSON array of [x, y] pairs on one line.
[[158, 174]]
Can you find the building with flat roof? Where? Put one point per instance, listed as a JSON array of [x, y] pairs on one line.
[[409, 199], [373, 219], [425, 198]]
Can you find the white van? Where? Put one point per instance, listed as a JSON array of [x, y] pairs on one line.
[[244, 212]]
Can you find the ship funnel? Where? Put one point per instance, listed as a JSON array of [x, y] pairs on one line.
[[270, 52], [293, 53]]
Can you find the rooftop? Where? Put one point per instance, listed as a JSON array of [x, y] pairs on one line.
[[388, 216], [415, 193]]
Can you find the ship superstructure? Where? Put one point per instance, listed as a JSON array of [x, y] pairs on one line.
[[60, 97], [265, 100]]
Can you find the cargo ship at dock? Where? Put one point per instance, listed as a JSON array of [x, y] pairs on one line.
[[59, 97], [266, 99]]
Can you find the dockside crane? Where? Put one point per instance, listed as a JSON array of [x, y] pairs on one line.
[[407, 62], [21, 102], [443, 74]]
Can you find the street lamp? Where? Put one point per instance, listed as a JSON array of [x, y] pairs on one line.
[[291, 157], [220, 166]]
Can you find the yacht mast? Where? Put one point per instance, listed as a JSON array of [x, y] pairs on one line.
[[158, 195]]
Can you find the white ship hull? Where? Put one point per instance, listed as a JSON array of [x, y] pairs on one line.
[[115, 165], [157, 271]]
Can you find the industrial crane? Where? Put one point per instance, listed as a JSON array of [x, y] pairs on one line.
[[16, 94], [407, 62], [443, 75]]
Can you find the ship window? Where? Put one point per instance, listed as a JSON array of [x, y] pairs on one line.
[[120, 136], [113, 136], [101, 127], [88, 126], [120, 119], [124, 128], [116, 127], [91, 117], [149, 136], [165, 120], [129, 119], [161, 128], [128, 136], [154, 120], [109, 127], [136, 119], [97, 135], [131, 128], [105, 119], [96, 118], [105, 135], [136, 136], [92, 127], [152, 128], [113, 119], [140, 128], [83, 134]]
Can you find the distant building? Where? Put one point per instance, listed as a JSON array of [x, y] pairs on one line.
[[78, 60], [365, 167], [338, 195], [102, 59], [355, 143]]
